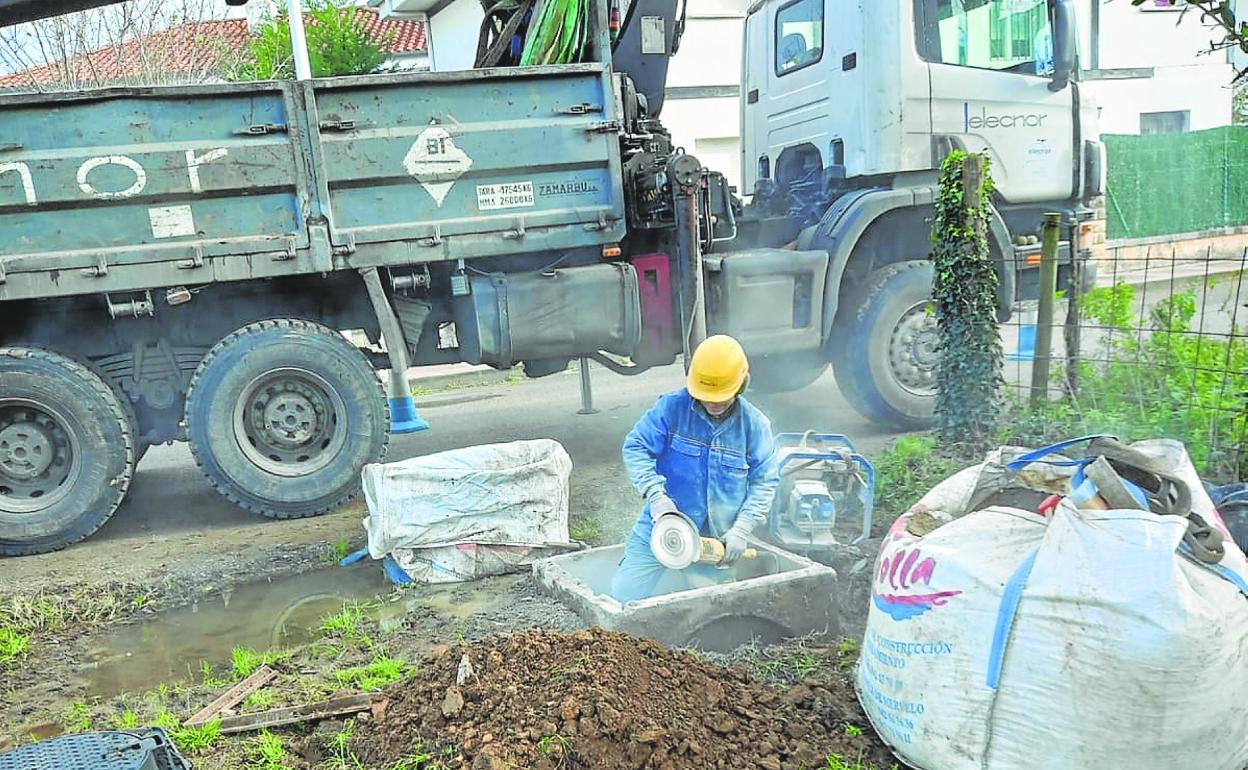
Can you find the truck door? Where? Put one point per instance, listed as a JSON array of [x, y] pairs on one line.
[[991, 63], [785, 84]]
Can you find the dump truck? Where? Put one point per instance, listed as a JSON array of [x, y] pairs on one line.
[[231, 265]]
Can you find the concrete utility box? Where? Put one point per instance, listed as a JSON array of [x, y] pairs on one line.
[[780, 595]]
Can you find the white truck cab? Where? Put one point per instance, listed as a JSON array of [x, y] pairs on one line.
[[880, 88], [848, 109]]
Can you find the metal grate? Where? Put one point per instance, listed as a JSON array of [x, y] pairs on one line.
[[148, 749]]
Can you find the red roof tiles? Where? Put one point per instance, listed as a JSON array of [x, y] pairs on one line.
[[193, 49]]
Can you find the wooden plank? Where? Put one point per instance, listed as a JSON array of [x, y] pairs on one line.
[[352, 704], [234, 696]]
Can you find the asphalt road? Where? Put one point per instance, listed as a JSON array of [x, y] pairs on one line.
[[172, 515], [169, 493]]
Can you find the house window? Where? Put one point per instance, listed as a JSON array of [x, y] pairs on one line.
[[1175, 122], [799, 35]]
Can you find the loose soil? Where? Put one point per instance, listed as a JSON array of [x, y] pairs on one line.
[[596, 700]]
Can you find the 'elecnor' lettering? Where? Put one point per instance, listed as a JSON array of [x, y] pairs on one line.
[[984, 120]]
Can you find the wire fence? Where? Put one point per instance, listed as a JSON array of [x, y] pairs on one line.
[[1157, 348]]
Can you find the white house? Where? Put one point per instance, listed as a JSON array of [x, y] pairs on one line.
[[703, 106], [456, 23], [1149, 69]]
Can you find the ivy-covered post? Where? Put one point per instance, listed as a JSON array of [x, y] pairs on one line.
[[969, 375]]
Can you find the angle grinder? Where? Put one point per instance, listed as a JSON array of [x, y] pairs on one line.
[[676, 544]]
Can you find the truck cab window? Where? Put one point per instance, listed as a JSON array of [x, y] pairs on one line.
[[799, 35], [1004, 35]]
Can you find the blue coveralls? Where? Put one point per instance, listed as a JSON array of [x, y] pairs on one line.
[[722, 475]]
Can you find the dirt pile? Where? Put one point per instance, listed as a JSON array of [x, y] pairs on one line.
[[594, 700]]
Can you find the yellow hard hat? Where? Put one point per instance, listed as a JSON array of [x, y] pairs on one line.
[[718, 369]]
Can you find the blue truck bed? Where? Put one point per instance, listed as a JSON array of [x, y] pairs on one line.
[[129, 189]]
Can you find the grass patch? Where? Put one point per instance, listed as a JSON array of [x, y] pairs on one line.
[[261, 700], [84, 605], [835, 762], [586, 530], [208, 678], [380, 672], [266, 752], [904, 473], [847, 651], [348, 623], [13, 645], [419, 759], [337, 552], [790, 665], [190, 740], [128, 720], [514, 374], [244, 661], [556, 748], [77, 718], [339, 747]]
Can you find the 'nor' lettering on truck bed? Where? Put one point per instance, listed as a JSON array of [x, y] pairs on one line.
[[137, 175]]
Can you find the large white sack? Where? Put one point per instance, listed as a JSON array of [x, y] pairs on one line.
[[1005, 639], [503, 494], [465, 562]]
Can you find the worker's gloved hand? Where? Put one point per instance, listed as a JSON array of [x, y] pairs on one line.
[[661, 504], [735, 546]]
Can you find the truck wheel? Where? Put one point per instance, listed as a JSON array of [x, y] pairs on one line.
[[66, 451], [283, 415], [785, 372], [884, 349]]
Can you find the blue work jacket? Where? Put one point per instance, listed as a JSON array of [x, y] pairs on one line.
[[721, 475]]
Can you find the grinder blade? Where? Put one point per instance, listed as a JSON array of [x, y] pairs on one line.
[[675, 541]]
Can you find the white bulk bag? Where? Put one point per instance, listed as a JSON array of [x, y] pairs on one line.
[[466, 513], [1007, 639]]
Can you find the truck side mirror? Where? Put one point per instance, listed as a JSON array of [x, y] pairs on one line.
[[1065, 44]]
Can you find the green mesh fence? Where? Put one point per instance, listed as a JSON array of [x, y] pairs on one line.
[[1177, 183]]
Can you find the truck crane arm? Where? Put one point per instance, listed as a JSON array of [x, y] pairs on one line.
[[649, 36]]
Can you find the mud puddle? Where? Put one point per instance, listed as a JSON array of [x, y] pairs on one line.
[[267, 615]]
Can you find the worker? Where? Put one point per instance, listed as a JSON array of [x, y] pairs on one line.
[[703, 451]]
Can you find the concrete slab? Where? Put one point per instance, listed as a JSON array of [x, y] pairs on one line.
[[778, 596]]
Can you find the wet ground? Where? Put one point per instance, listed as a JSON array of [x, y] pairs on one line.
[[183, 577], [189, 649]]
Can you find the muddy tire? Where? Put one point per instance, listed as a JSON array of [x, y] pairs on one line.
[[883, 349], [66, 451], [283, 415]]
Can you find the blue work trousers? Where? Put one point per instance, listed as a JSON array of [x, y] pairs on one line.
[[640, 575]]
